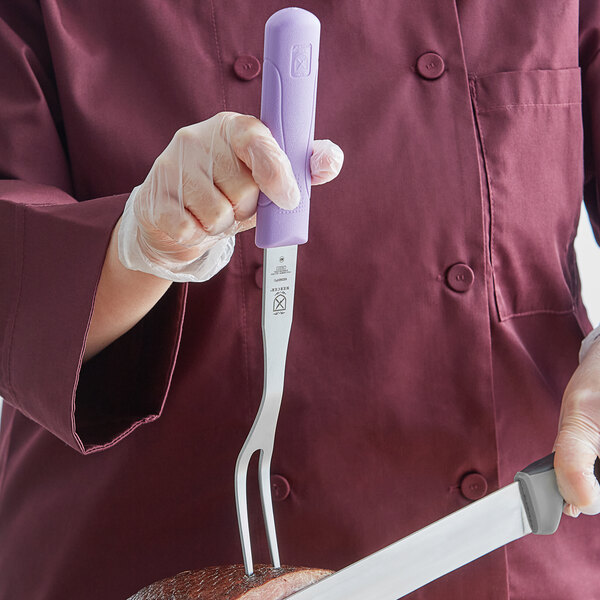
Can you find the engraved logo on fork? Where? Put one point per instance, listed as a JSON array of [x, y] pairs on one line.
[[279, 303], [301, 55]]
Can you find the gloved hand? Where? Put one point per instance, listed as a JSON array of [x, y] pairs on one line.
[[578, 441], [181, 221]]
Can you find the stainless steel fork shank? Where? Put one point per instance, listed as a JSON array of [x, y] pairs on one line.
[[279, 277]]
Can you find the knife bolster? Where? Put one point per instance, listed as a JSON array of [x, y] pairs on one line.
[[541, 498]]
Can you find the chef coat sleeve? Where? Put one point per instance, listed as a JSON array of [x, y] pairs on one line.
[[589, 61], [52, 249]]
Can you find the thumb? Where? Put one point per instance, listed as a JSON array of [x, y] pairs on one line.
[[574, 461], [325, 162], [578, 442], [254, 145]]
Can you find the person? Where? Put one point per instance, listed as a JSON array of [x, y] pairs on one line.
[[437, 316]]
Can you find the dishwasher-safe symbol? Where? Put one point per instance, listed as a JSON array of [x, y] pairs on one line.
[[279, 303], [301, 55]]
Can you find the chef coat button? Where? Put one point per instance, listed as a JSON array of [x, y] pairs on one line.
[[473, 486], [258, 276], [430, 65], [460, 277], [246, 67], [280, 487]]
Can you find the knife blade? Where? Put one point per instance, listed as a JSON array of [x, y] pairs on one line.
[[532, 504]]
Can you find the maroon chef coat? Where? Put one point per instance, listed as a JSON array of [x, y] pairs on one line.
[[438, 312]]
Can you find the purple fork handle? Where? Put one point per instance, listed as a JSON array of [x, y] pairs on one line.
[[289, 91]]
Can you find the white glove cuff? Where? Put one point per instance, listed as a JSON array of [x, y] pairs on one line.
[[588, 342], [201, 269]]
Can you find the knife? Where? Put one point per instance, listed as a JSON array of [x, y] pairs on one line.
[[532, 504]]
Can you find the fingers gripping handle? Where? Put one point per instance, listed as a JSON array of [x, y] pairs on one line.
[[541, 498], [289, 87]]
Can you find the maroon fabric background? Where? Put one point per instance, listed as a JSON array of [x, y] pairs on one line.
[[397, 385]]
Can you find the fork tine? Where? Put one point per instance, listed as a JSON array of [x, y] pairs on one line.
[[241, 503], [264, 474]]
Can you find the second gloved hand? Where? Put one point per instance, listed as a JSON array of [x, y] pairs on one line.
[[180, 223], [578, 442]]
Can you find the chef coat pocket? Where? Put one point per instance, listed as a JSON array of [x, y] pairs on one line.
[[531, 136]]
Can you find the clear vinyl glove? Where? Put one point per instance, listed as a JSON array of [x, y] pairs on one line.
[[578, 442], [180, 223]]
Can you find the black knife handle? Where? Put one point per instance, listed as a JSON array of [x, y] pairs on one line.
[[541, 498]]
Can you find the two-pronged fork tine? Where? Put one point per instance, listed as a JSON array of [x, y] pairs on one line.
[[264, 480], [242, 508]]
